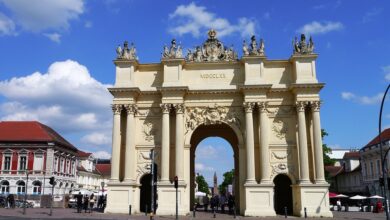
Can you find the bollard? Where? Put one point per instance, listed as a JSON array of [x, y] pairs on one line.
[[129, 209], [214, 213], [194, 211], [305, 212], [285, 212], [234, 212], [146, 210]]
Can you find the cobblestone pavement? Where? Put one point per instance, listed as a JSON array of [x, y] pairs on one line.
[[39, 213]]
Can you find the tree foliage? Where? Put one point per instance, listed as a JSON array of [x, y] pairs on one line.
[[326, 150], [202, 184], [227, 180]]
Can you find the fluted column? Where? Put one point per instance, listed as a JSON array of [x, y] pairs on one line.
[[179, 150], [303, 153], [318, 156], [165, 143], [250, 145], [130, 147], [116, 142], [263, 141]]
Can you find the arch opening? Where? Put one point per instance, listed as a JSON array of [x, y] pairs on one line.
[[283, 194]]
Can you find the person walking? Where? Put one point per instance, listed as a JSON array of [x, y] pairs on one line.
[[91, 202], [206, 202], [222, 201], [79, 199], [86, 203], [338, 203]]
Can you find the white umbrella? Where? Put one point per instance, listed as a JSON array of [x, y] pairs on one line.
[[341, 196], [376, 197], [357, 197], [199, 193]]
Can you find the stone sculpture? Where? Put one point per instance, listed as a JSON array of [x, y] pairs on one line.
[[126, 53], [254, 50], [174, 52], [302, 47]]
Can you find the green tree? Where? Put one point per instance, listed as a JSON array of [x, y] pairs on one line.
[[202, 184], [227, 180], [327, 160]]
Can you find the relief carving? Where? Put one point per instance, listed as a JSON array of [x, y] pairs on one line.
[[148, 131], [280, 129], [144, 163], [210, 115], [281, 156], [281, 168]]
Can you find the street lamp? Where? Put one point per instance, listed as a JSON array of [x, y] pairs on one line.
[[383, 159]]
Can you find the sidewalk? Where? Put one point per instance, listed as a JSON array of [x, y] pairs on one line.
[[40, 213]]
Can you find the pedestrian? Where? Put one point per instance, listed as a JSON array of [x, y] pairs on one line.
[[79, 199], [338, 203], [104, 202], [206, 202], [91, 202], [222, 201], [86, 203], [230, 203], [12, 200]]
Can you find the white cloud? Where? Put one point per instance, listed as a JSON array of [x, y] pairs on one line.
[[102, 155], [316, 27], [206, 151], [55, 37], [96, 138], [196, 20], [88, 24], [364, 100], [38, 15], [386, 70], [370, 15], [7, 26], [201, 167], [67, 98]]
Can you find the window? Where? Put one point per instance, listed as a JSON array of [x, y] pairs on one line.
[[21, 187], [365, 170], [62, 166], [372, 169], [378, 167], [37, 187], [56, 164], [38, 162], [7, 162], [22, 162], [4, 187]]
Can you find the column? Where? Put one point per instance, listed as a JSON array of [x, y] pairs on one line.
[[165, 143], [130, 147], [318, 156], [250, 146], [116, 142], [303, 154], [263, 141], [179, 150]]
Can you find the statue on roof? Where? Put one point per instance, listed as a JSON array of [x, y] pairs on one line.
[[254, 50], [302, 47], [126, 53], [173, 52]]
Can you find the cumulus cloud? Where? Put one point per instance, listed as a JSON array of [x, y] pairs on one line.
[[102, 155], [96, 138], [38, 15], [196, 20], [386, 70], [370, 15], [7, 26], [199, 167], [364, 100], [206, 151], [316, 27], [66, 97], [55, 37]]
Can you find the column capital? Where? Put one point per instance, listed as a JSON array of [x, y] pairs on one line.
[[116, 108], [179, 108], [263, 106], [165, 107], [315, 106], [131, 108], [301, 105], [248, 106]]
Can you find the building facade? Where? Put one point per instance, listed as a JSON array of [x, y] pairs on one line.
[[371, 163], [32, 147], [88, 176], [268, 110]]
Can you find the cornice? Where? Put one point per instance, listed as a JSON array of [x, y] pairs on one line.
[[261, 87], [134, 91], [252, 58], [124, 61], [212, 91], [295, 57], [298, 87], [173, 61]]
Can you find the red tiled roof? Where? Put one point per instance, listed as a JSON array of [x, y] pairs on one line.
[[104, 169], [30, 131], [334, 170], [352, 155], [385, 135], [83, 154], [82, 168]]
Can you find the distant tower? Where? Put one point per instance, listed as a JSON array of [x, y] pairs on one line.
[[215, 190]]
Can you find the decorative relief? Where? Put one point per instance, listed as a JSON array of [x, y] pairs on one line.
[[281, 168], [174, 52], [179, 108], [280, 129], [302, 47], [116, 108], [144, 162], [301, 105], [165, 107], [248, 106], [281, 156], [210, 115], [262, 106], [126, 53], [254, 50], [211, 50], [315, 106], [148, 131], [131, 109]]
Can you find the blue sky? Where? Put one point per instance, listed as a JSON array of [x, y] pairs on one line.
[[52, 53]]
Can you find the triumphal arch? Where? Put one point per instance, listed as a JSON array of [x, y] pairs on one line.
[[268, 110]]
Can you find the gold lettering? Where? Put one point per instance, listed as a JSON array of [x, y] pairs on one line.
[[212, 75]]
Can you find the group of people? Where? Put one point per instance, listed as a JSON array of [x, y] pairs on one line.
[[378, 207], [88, 202], [221, 201], [10, 201]]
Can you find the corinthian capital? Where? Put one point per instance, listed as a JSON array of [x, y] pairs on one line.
[[179, 108], [301, 105], [315, 106], [262, 106], [248, 106], [131, 109], [165, 107], [116, 108]]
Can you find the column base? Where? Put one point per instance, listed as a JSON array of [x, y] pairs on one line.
[[167, 199], [120, 195], [259, 200], [313, 197]]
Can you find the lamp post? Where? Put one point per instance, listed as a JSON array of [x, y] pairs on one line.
[[25, 194], [383, 159]]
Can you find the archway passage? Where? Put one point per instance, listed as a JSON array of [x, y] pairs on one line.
[[146, 190], [283, 194], [224, 131]]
